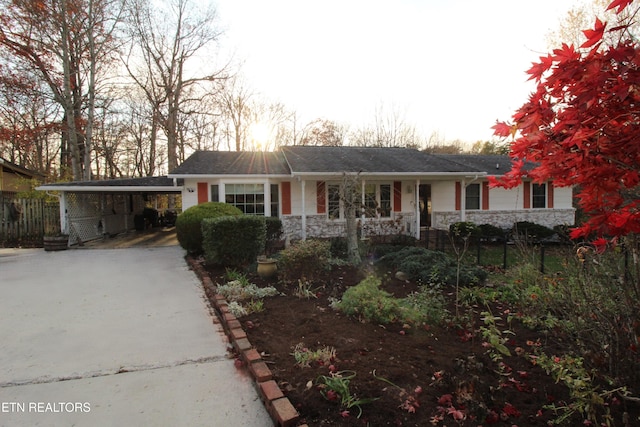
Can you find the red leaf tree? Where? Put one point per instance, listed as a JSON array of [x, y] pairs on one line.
[[581, 127]]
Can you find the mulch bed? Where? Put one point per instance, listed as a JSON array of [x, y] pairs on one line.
[[422, 376]]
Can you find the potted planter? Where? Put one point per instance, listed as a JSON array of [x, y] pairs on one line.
[[267, 267], [58, 242]]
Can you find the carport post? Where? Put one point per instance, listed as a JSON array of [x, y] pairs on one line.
[[64, 225]]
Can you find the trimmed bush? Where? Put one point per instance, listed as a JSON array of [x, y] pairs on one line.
[[233, 240], [188, 223], [490, 231], [305, 260]]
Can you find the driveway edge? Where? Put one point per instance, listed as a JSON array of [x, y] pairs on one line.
[[276, 403]]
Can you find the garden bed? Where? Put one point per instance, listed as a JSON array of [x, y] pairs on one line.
[[405, 375]]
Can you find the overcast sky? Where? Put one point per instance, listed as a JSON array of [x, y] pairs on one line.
[[449, 66]]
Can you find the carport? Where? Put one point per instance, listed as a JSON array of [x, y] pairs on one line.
[[90, 210]]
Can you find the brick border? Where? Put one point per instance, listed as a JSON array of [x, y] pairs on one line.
[[276, 403]]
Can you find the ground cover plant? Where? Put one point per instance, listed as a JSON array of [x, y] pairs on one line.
[[362, 346]]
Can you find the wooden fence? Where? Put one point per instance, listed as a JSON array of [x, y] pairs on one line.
[[24, 222]]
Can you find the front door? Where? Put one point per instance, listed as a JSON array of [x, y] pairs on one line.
[[424, 198]]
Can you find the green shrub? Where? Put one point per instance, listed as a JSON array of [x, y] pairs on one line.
[[490, 230], [432, 267], [233, 240], [338, 247], [274, 228], [425, 306], [188, 223], [532, 231], [463, 230], [305, 260], [368, 301]]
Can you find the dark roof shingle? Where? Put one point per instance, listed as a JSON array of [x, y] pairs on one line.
[[311, 159], [233, 163]]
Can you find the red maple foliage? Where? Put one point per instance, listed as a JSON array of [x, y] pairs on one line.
[[581, 127]]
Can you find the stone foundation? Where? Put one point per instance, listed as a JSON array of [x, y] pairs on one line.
[[505, 219]]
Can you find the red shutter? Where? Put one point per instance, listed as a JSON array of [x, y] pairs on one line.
[[458, 195], [526, 194], [203, 192], [321, 197], [485, 196], [397, 196], [286, 198], [550, 195]]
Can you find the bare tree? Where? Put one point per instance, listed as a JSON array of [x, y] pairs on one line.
[[579, 18], [65, 43], [28, 123], [236, 102], [351, 198], [324, 132], [389, 129], [489, 147], [169, 40]]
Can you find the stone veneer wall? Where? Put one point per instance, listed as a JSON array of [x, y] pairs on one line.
[[320, 226], [404, 223], [505, 219]]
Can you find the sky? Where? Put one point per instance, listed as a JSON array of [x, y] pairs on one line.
[[451, 68]]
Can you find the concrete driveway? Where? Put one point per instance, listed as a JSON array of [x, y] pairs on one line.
[[100, 337]]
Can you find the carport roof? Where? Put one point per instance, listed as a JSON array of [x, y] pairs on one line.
[[150, 184]]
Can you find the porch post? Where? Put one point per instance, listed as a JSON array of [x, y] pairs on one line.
[[64, 225], [304, 212], [267, 199], [463, 200], [363, 215], [416, 202]]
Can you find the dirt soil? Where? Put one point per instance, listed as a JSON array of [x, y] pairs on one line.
[[422, 376]]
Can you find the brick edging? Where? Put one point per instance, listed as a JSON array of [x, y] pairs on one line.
[[276, 403]]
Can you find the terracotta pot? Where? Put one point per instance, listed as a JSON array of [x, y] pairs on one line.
[[55, 243], [267, 268]]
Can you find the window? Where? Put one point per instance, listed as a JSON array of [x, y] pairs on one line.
[[249, 198], [215, 193], [370, 202], [333, 201], [377, 200], [472, 196], [274, 200], [385, 200], [539, 195]]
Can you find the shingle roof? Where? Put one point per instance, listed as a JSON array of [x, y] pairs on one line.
[[144, 184], [491, 164], [311, 159], [19, 169], [233, 163]]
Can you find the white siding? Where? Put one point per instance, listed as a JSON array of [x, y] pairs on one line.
[[443, 195], [502, 199]]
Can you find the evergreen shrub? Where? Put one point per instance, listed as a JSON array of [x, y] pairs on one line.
[[233, 240], [188, 223]]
